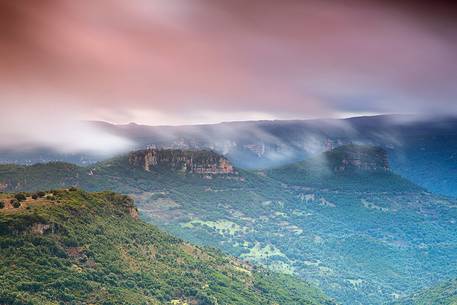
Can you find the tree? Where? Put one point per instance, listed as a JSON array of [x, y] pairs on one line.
[[35, 196], [41, 194], [2, 204], [20, 197], [15, 203]]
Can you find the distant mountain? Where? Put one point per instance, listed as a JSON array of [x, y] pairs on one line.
[[73, 247], [355, 158], [365, 168], [342, 219], [423, 150]]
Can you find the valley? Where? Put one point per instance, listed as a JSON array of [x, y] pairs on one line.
[[362, 243], [228, 152]]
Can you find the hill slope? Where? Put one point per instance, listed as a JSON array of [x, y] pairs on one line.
[[81, 248], [362, 233], [442, 294]]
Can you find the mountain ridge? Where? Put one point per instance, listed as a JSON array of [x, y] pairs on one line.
[[421, 149], [191, 161]]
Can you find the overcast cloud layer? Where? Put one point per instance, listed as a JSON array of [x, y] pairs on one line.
[[199, 61]]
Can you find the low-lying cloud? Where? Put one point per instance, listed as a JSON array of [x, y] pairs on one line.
[[23, 129], [163, 62]]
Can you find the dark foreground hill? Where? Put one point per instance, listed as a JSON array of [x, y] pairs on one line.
[[73, 247], [343, 220]]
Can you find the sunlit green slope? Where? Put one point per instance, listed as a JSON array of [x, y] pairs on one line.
[[74, 247]]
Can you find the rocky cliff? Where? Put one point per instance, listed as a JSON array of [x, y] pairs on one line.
[[190, 161], [357, 157]]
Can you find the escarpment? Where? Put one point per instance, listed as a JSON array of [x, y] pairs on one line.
[[189, 161], [358, 157]]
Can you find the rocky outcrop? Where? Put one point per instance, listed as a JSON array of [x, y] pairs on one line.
[[358, 157], [41, 228], [133, 211], [189, 161], [3, 186]]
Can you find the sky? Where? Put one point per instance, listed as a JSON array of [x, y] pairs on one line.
[[171, 62]]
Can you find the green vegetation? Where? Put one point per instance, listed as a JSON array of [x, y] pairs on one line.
[[20, 197], [442, 294], [221, 226], [15, 203], [91, 249], [362, 234]]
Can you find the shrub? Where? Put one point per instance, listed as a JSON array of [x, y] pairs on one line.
[[73, 189], [20, 197], [41, 194], [35, 196], [15, 203], [50, 197], [2, 204]]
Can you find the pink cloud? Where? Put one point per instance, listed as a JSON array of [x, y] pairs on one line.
[[185, 59]]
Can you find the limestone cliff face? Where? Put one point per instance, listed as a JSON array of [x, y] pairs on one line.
[[133, 211], [39, 228], [358, 157], [198, 162]]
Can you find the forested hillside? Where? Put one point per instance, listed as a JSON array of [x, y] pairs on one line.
[[73, 247], [444, 293]]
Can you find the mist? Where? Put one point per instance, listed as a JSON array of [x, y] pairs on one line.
[[204, 62], [25, 129]]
